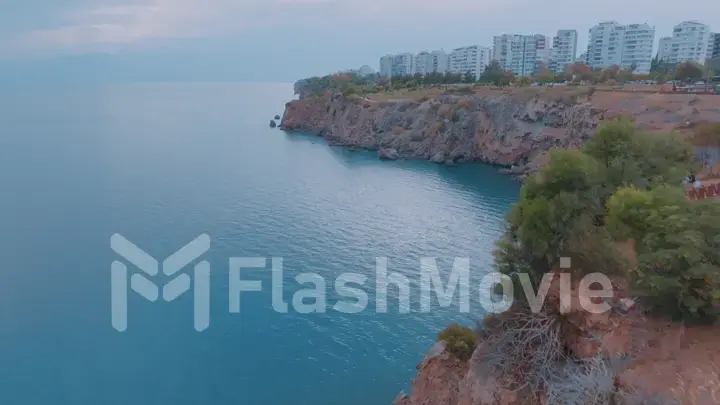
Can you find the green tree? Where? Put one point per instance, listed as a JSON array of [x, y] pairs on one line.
[[678, 249], [495, 74], [623, 184], [688, 71], [468, 77], [609, 73], [523, 81], [713, 66], [543, 74]]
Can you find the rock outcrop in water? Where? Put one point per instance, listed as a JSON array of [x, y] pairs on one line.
[[513, 129], [387, 154]]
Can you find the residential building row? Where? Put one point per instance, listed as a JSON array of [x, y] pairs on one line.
[[610, 43], [627, 46], [470, 59], [524, 55], [521, 54], [690, 41]]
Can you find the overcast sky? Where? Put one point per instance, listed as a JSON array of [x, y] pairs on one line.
[[282, 40]]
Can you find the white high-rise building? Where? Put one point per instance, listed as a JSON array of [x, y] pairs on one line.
[[714, 49], [441, 61], [403, 64], [501, 48], [471, 59], [423, 63], [386, 64], [665, 48], [431, 62], [564, 50], [624, 45], [526, 52], [605, 45], [638, 47], [690, 42]]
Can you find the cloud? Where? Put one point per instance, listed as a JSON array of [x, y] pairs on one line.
[[133, 22], [130, 23], [110, 25]]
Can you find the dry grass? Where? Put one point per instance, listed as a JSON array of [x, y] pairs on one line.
[[657, 103], [423, 94], [568, 93], [705, 393], [706, 134], [526, 346]]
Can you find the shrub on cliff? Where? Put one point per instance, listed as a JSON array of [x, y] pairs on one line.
[[459, 340], [623, 184], [678, 271], [707, 134], [350, 91], [524, 347]]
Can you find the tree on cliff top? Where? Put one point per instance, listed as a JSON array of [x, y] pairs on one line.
[[576, 205], [495, 74], [688, 71], [543, 74]]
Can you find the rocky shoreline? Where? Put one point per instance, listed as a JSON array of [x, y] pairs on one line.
[[662, 362], [511, 129]]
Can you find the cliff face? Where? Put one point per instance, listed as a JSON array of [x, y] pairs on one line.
[[494, 127], [499, 130], [662, 363]]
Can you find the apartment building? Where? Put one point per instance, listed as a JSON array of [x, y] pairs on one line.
[[526, 52], [605, 45], [431, 62], [386, 65], [564, 49], [627, 46], [471, 59], [501, 48], [665, 48], [715, 48], [441, 61], [403, 64], [638, 47], [423, 63], [691, 40]]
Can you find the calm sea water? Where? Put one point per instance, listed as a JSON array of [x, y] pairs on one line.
[[163, 163]]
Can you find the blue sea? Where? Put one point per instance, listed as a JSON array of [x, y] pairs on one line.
[[161, 164]]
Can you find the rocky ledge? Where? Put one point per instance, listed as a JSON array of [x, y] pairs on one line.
[[621, 357], [514, 129]]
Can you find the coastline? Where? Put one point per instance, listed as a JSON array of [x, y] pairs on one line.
[[516, 131], [512, 130]]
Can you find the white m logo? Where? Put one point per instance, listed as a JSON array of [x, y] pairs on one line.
[[149, 290]]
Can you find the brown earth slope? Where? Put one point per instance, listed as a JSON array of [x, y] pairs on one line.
[[506, 127], [669, 364]]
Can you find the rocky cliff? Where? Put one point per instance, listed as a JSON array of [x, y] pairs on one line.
[[509, 128], [644, 361]]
